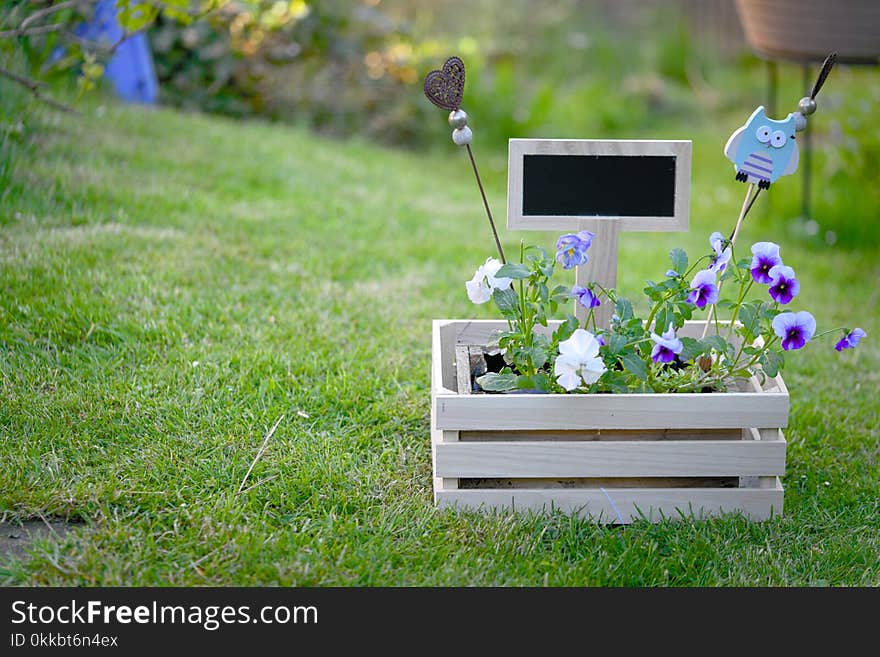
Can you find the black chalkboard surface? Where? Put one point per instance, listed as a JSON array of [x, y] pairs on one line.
[[598, 185]]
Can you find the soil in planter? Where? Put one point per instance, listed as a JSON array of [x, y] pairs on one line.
[[575, 435]]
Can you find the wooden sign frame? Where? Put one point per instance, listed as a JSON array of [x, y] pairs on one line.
[[518, 148]]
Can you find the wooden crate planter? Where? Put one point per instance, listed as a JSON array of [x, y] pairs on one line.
[[612, 458]]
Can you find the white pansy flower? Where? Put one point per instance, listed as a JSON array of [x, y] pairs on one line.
[[578, 360], [484, 282]]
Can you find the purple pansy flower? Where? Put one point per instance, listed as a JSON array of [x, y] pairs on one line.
[[666, 346], [851, 339], [703, 289], [765, 256], [671, 273], [795, 329], [585, 296], [571, 248], [783, 285], [722, 256]]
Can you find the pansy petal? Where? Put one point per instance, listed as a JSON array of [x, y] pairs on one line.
[[569, 381], [566, 363], [592, 370]]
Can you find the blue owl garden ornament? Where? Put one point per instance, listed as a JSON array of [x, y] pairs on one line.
[[764, 149]]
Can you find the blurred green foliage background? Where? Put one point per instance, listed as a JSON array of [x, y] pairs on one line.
[[567, 68]]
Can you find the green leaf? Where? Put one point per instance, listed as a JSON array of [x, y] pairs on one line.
[[494, 382], [617, 381], [515, 271], [136, 17], [692, 349], [177, 14], [679, 260], [561, 291], [768, 311], [653, 292], [636, 365], [748, 315], [537, 355], [717, 343], [624, 309], [565, 329], [663, 319], [772, 362], [686, 311], [616, 343], [539, 381], [745, 263], [730, 272], [543, 292], [507, 302]]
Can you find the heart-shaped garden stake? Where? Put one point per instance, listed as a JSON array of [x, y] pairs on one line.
[[445, 87]]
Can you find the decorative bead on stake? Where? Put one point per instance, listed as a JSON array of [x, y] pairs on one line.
[[445, 88], [462, 136], [458, 118], [807, 105]]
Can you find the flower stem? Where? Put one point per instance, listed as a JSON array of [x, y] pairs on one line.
[[757, 356], [743, 291], [824, 333], [589, 319], [746, 206]]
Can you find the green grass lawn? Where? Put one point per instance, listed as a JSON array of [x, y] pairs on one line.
[[173, 285]]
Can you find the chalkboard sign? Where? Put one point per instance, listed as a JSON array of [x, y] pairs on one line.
[[558, 184]]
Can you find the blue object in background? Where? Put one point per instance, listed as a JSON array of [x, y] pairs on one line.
[[131, 67]]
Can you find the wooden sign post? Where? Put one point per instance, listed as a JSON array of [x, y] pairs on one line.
[[604, 186]]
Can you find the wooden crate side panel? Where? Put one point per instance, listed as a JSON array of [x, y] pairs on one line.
[[707, 458], [567, 412], [623, 505], [443, 380]]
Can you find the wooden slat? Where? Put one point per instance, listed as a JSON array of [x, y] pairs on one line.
[[463, 369], [654, 503], [707, 458], [443, 356], [643, 411], [518, 148]]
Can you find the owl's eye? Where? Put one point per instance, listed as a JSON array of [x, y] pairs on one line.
[[763, 134], [777, 139]]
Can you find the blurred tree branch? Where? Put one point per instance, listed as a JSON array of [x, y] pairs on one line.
[[134, 17], [34, 87], [25, 29]]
